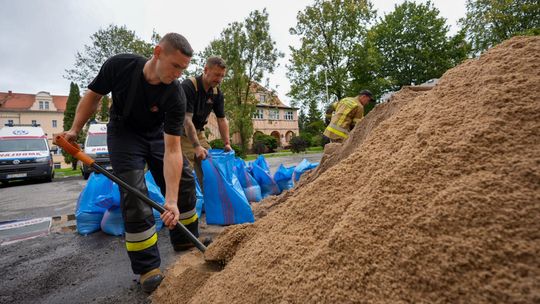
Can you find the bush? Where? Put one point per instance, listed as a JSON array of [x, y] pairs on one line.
[[298, 144], [217, 144], [238, 151], [269, 143], [316, 141]]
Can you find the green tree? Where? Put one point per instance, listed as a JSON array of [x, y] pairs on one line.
[[410, 45], [103, 114], [250, 52], [69, 116], [331, 32], [489, 22], [106, 43]]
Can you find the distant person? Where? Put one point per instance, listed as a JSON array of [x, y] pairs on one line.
[[204, 96], [146, 122], [348, 112]]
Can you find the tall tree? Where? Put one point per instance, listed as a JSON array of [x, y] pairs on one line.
[[410, 45], [489, 22], [69, 116], [330, 32], [106, 43], [250, 52]]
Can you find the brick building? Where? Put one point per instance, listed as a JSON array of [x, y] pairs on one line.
[[42, 108], [271, 117]]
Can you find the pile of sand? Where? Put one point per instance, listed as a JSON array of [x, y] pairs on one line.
[[439, 201]]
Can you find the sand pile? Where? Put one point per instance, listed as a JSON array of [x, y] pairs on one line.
[[439, 203]]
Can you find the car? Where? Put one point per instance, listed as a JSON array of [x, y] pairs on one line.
[[25, 154], [95, 146]]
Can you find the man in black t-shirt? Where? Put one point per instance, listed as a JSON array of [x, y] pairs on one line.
[[203, 96], [146, 122]]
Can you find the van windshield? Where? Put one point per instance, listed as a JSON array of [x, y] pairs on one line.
[[30, 144], [96, 140]]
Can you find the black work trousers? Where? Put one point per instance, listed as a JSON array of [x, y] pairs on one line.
[[130, 151]]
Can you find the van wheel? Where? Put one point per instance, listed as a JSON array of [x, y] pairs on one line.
[[86, 175]]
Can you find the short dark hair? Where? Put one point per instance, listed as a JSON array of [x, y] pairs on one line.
[[177, 42], [367, 93], [216, 61]]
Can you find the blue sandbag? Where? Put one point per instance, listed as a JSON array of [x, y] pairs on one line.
[[252, 190], [261, 162], [110, 200], [88, 213], [303, 167], [283, 177], [113, 223], [224, 200], [199, 205], [266, 182]]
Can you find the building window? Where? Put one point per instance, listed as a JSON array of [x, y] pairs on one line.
[[274, 114], [54, 123], [258, 114], [34, 122], [46, 105], [262, 98], [41, 105], [289, 115]]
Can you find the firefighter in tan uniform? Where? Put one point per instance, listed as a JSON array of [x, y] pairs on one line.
[[348, 112]]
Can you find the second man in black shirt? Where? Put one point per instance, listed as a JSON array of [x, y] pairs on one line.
[[204, 96]]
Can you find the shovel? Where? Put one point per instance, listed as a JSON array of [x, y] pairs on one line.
[[76, 152]]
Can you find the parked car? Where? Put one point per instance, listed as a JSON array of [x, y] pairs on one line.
[[25, 153], [95, 146]]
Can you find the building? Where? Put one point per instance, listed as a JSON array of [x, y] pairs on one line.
[[42, 108], [271, 117]]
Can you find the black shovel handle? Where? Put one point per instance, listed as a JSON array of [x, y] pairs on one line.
[[76, 152]]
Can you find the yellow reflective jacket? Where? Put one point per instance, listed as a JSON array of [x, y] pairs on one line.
[[348, 113]]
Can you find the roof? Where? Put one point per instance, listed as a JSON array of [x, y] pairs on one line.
[[21, 131], [274, 101], [11, 101]]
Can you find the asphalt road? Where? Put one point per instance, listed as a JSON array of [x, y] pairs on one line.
[[65, 267]]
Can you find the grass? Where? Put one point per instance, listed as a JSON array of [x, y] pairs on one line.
[[65, 172], [310, 150]]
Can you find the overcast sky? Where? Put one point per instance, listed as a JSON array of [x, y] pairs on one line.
[[39, 38]]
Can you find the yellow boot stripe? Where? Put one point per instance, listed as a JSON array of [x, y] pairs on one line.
[[189, 220], [138, 246]]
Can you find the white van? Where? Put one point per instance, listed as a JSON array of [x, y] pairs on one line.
[[24, 154], [95, 146]]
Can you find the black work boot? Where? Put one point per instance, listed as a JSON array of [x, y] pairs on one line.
[[151, 280], [186, 246]]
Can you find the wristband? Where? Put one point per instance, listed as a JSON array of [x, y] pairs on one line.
[[196, 144]]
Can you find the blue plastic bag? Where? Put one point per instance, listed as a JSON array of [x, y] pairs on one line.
[[224, 200], [199, 205], [283, 177], [251, 187], [88, 213], [302, 167], [261, 162], [110, 200], [266, 182], [113, 223]]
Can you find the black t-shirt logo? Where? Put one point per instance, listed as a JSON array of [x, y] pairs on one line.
[[154, 109]]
